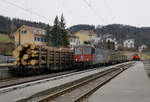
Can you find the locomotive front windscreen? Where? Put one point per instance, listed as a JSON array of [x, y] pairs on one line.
[[87, 50], [78, 51]]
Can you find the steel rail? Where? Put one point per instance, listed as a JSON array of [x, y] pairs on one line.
[[55, 95], [34, 82], [86, 95]]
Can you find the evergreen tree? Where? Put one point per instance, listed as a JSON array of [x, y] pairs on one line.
[[62, 22], [59, 35], [55, 33], [64, 33]]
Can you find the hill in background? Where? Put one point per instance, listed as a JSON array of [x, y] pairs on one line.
[[119, 31], [8, 25]]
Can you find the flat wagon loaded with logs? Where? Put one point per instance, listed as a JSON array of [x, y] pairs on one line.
[[34, 59]]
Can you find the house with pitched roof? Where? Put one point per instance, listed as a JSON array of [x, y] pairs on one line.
[[30, 35], [85, 36], [74, 40], [129, 43]]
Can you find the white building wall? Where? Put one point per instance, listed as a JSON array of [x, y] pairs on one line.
[[113, 40], [96, 39], [142, 47], [129, 43], [74, 42], [116, 45]]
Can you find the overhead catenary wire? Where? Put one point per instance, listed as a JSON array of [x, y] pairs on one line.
[[94, 11], [69, 9], [24, 9], [39, 15]]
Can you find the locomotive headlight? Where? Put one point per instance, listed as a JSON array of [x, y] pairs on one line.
[[76, 59], [87, 59]]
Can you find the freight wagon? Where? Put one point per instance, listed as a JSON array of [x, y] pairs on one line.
[[32, 59]]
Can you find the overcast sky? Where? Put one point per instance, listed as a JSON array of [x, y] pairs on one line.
[[96, 12]]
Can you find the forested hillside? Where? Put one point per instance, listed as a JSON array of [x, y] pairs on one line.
[[119, 31], [76, 28], [8, 25]]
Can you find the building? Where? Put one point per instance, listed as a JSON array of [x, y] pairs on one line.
[[30, 35], [74, 40], [96, 39], [129, 43], [85, 36], [113, 42], [142, 47]]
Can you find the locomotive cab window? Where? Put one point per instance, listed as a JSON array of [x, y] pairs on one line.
[[87, 50], [78, 50]]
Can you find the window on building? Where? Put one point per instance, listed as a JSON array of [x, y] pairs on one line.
[[35, 38], [42, 39], [38, 39], [45, 40], [23, 31]]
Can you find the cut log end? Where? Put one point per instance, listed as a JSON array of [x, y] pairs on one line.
[[16, 62], [23, 62], [19, 48], [26, 45], [25, 56], [32, 46], [16, 53], [33, 62]]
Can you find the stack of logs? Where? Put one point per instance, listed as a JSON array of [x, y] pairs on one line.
[[34, 55]]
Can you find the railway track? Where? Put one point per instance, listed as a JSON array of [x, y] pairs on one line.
[[41, 88], [17, 83], [20, 80], [81, 90], [14, 80]]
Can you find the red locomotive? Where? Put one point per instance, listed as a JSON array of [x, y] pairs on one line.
[[135, 57], [84, 55]]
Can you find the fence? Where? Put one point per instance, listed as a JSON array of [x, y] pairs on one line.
[[6, 59]]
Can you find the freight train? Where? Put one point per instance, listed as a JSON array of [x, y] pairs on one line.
[[35, 60], [95, 56]]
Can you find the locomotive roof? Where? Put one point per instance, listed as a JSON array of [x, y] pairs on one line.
[[93, 46], [84, 46]]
